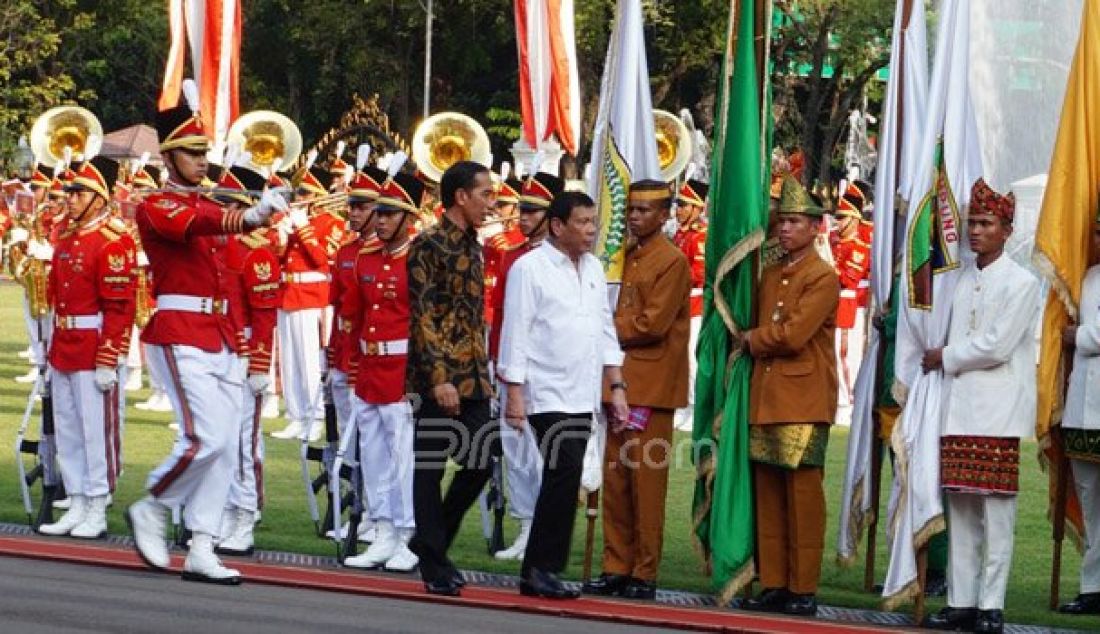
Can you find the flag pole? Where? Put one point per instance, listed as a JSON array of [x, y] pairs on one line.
[[1061, 491]]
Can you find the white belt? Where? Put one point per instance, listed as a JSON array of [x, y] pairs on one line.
[[193, 304], [848, 293], [696, 292], [384, 348], [79, 322], [306, 277]]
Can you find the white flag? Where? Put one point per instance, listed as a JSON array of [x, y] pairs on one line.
[[624, 147], [904, 110], [950, 162]]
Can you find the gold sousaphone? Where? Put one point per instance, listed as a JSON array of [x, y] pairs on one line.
[[64, 127], [673, 144], [446, 138], [269, 137]]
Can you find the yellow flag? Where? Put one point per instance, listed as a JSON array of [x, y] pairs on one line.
[[1062, 239], [1069, 208]]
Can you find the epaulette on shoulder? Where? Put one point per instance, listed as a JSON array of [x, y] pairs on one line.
[[370, 245], [109, 231], [253, 240]]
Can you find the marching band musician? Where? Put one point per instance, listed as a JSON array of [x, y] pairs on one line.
[[30, 254], [252, 259], [193, 342], [691, 238], [522, 461], [314, 235], [91, 284], [379, 302]]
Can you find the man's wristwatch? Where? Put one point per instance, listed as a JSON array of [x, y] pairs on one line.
[[618, 385]]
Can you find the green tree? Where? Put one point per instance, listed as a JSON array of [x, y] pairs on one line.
[[32, 76]]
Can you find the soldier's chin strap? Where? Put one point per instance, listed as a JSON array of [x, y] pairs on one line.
[[537, 228], [177, 174]]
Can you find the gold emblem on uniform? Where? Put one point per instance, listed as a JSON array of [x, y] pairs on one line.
[[262, 270], [117, 263]]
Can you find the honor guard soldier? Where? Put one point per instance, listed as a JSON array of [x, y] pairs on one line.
[[91, 283], [194, 343], [691, 238], [251, 257], [507, 239], [522, 461], [363, 189], [383, 415], [852, 259], [314, 235], [340, 172]]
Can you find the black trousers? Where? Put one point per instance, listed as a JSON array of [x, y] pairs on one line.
[[562, 439], [466, 439]]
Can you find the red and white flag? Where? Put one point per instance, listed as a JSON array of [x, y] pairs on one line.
[[550, 98], [212, 30]]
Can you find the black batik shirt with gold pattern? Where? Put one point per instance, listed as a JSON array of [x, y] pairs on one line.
[[447, 312]]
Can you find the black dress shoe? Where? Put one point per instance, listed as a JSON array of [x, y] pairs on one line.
[[458, 579], [1087, 603], [539, 583], [606, 585], [639, 589], [989, 622], [444, 587], [951, 619], [770, 600], [801, 605]]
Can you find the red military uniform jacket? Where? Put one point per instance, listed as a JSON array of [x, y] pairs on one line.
[[504, 264], [179, 231], [91, 286], [492, 253], [381, 301], [253, 259], [692, 241], [342, 342], [306, 261], [852, 258]]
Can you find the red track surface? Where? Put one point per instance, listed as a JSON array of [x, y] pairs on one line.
[[651, 614]]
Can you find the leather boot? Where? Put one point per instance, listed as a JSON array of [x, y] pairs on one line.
[[204, 566], [94, 525], [72, 518]]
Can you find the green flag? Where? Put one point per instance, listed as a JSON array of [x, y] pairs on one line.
[[723, 507]]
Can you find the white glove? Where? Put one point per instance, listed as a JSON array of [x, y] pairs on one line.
[[271, 201], [105, 378], [40, 250], [298, 217], [258, 383], [19, 234]]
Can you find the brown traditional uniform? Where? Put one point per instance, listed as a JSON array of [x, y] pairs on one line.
[[792, 403], [653, 323]]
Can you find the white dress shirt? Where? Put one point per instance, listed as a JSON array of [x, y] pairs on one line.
[[1083, 397], [558, 332], [989, 360]]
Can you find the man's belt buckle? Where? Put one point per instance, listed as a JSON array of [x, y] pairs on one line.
[[68, 322], [374, 349], [212, 306]]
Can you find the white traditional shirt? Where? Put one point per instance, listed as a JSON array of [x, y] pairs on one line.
[[989, 360], [1083, 397], [558, 332]]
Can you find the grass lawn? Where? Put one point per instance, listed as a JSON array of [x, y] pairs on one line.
[[286, 525]]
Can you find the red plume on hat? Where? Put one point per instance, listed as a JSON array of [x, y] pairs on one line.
[[984, 200]]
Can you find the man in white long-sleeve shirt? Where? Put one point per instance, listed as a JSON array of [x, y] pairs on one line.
[[989, 369], [1081, 429], [558, 344]]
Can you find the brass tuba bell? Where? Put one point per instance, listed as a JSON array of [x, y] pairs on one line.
[[267, 136], [64, 127], [445, 139], [673, 144]]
